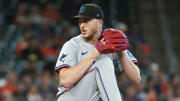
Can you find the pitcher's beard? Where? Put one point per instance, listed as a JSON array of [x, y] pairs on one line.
[[88, 38], [91, 37]]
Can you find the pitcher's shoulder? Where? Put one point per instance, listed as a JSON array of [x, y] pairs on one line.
[[77, 39], [73, 41]]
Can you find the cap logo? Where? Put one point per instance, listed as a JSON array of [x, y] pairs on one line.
[[82, 9], [97, 15]]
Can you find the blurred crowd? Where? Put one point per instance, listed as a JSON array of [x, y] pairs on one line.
[[31, 37]]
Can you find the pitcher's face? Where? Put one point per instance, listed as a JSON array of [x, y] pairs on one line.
[[89, 27]]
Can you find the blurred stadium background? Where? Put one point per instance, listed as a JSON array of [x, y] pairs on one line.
[[32, 33]]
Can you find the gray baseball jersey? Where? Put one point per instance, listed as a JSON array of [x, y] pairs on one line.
[[99, 80]]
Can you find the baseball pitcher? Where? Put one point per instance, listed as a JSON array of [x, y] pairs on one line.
[[86, 62]]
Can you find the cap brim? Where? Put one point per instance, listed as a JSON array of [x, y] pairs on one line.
[[81, 16]]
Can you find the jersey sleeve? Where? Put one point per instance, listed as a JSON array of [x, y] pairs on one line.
[[117, 61], [67, 56], [133, 59]]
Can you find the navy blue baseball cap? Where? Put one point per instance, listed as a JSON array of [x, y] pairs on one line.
[[90, 11]]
